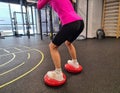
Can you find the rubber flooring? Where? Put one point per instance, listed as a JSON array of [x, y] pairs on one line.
[[24, 62]]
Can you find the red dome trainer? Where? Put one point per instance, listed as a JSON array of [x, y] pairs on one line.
[[72, 69], [53, 82]]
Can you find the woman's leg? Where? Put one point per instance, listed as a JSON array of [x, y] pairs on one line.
[[71, 49], [55, 55], [57, 73], [72, 52]]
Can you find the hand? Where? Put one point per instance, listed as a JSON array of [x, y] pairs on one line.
[[74, 1]]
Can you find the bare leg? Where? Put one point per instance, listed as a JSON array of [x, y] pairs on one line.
[[55, 55], [72, 65], [71, 49], [72, 52], [57, 73]]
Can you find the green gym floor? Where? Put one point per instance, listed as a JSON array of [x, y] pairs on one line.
[[24, 62]]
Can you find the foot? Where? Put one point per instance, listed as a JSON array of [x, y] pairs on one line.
[[74, 64], [56, 76], [73, 67]]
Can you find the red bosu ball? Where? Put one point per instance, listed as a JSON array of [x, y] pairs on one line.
[[53, 82], [72, 69]]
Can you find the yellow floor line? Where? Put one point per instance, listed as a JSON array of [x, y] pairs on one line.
[[9, 60], [5, 84], [15, 53], [12, 69], [17, 49], [6, 51], [28, 56]]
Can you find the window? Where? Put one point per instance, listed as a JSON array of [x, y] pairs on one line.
[[5, 22]]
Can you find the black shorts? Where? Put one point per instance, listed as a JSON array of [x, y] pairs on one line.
[[69, 32]]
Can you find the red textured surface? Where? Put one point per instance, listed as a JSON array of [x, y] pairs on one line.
[[53, 82], [72, 69]]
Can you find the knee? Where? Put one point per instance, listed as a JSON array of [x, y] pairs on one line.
[[67, 43], [52, 46]]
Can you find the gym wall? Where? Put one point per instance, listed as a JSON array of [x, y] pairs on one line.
[[94, 15]]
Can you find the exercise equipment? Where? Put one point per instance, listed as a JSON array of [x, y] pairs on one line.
[[100, 34], [53, 82], [72, 69]]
